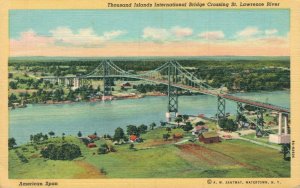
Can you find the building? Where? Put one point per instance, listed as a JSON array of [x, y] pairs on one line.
[[93, 137], [199, 129], [91, 145], [133, 138], [209, 137], [126, 84]]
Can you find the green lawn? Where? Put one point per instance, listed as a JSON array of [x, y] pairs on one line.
[[264, 139], [155, 158]]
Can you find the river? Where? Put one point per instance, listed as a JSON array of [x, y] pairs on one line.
[[105, 117]]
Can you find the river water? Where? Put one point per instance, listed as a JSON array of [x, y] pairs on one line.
[[105, 117]]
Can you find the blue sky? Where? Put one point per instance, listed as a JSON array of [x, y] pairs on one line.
[[230, 21], [149, 32]]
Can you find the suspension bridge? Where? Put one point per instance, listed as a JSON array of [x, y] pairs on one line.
[[176, 77]]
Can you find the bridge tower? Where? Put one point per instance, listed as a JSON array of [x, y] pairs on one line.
[[221, 109], [259, 122], [240, 118], [172, 91], [107, 81]]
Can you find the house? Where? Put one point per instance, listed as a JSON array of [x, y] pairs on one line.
[[133, 138], [209, 137], [201, 115], [199, 129], [177, 135], [126, 84], [93, 137], [91, 145]]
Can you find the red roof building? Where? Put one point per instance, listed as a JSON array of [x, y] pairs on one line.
[[209, 137], [133, 138], [93, 137], [91, 145]]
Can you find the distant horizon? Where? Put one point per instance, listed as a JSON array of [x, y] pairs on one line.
[[224, 58]]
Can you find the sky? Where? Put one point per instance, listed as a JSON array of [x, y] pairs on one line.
[[86, 33]]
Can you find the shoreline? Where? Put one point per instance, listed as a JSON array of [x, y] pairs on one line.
[[125, 97]]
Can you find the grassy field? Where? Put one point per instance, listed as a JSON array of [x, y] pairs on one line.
[[155, 158], [264, 139]]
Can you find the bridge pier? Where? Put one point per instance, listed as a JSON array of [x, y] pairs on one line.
[[283, 136], [283, 118], [221, 109]]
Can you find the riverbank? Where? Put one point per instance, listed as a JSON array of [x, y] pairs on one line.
[[99, 99], [148, 94]]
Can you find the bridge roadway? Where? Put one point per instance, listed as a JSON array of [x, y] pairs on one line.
[[229, 97], [195, 89]]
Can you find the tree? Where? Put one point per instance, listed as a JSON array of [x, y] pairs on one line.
[[163, 123], [132, 129], [200, 123], [31, 138], [228, 124], [79, 134], [187, 127], [185, 117], [119, 134], [13, 85], [45, 137], [11, 143], [51, 133], [231, 125], [168, 129], [13, 97], [71, 95], [152, 125], [131, 146], [178, 120], [38, 138], [166, 136], [142, 129], [103, 149], [65, 151]]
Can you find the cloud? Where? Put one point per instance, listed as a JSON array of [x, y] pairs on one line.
[[271, 31], [155, 33], [181, 31], [248, 32], [64, 41], [163, 34], [30, 37], [84, 37], [212, 35]]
